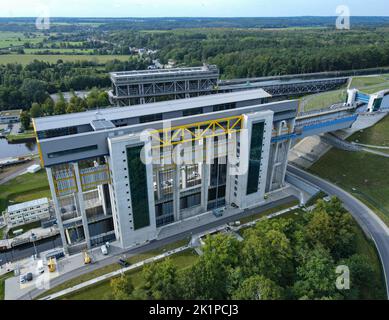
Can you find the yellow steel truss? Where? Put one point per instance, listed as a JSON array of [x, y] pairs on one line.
[[38, 144], [197, 131]]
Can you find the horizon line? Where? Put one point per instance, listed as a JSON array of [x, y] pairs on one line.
[[190, 17]]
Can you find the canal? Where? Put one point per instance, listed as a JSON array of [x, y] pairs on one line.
[[16, 150], [27, 250]]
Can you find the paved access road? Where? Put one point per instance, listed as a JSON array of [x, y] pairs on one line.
[[367, 219]]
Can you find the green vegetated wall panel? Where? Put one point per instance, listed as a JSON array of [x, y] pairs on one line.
[[255, 157], [138, 184]]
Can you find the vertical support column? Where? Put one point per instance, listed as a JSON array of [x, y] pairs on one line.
[[204, 186], [291, 126], [141, 90], [285, 163], [100, 189], [176, 193], [273, 166], [187, 89], [81, 204], [57, 209]]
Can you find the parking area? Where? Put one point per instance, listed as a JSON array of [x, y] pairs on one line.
[[14, 289]]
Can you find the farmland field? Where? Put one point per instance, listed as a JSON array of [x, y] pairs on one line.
[[8, 39], [27, 58]]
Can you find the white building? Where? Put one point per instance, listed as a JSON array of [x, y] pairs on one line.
[[34, 168], [27, 212], [10, 116]]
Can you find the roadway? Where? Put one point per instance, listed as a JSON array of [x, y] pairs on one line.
[[18, 170], [366, 218], [154, 245]]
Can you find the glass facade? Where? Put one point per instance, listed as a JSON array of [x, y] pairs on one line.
[[164, 213], [255, 157], [377, 104], [190, 201], [138, 185], [218, 180]]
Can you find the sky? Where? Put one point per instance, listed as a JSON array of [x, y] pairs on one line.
[[189, 8]]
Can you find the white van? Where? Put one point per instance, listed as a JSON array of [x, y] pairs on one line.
[[39, 267], [104, 250]]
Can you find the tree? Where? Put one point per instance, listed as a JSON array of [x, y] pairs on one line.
[[208, 278], [34, 90], [72, 108], [25, 120], [258, 288], [331, 226], [36, 110], [122, 288], [267, 252], [161, 280], [316, 277], [48, 107], [103, 100], [60, 107], [361, 276]]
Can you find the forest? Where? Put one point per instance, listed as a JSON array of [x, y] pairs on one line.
[[285, 258], [239, 51]]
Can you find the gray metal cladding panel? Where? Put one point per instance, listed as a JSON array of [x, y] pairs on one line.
[[69, 143], [99, 139]]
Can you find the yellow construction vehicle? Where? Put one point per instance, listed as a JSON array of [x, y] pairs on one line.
[[52, 265], [87, 258]]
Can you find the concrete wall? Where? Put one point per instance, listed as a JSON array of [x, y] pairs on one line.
[[122, 207]]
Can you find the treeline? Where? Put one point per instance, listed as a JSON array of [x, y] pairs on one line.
[[109, 24], [20, 86], [253, 53], [278, 259], [95, 99]]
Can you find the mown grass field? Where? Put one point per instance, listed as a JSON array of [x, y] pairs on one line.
[[2, 230], [377, 136], [366, 84], [324, 100], [363, 174], [59, 51], [360, 82], [2, 284], [366, 247], [21, 136], [24, 188], [8, 39], [268, 212], [100, 290], [27, 58]]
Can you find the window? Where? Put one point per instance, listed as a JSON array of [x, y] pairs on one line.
[[222, 107], [71, 151], [190, 176], [192, 112], [151, 118], [190, 201], [255, 157], [52, 133]]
